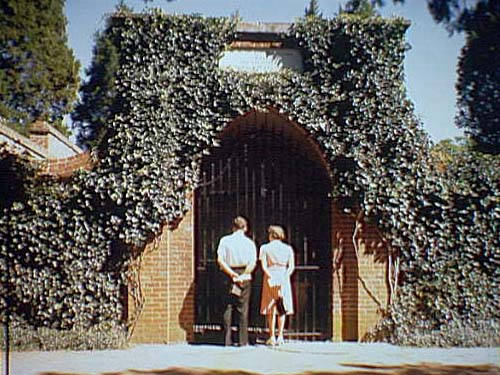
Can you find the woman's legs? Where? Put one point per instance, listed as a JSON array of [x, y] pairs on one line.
[[271, 321], [281, 326]]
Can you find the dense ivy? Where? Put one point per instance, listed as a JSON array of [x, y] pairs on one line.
[[448, 295], [72, 236]]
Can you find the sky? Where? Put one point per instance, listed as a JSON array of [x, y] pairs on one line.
[[430, 65]]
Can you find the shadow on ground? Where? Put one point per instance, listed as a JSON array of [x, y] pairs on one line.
[[357, 369]]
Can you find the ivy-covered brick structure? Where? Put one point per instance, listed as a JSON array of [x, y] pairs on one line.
[[329, 148], [266, 148]]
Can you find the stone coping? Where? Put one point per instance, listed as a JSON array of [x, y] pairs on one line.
[[23, 143], [39, 128], [263, 27]]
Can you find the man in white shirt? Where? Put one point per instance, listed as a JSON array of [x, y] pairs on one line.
[[237, 257]]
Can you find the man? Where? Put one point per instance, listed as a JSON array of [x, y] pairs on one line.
[[237, 257]]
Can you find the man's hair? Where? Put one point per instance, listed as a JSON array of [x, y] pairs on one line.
[[240, 222], [276, 232]]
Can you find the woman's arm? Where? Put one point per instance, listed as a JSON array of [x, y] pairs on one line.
[[291, 263], [263, 262]]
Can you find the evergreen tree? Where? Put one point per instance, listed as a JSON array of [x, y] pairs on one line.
[[97, 94], [363, 8], [478, 73], [453, 14], [457, 15], [313, 9], [39, 75], [478, 85]]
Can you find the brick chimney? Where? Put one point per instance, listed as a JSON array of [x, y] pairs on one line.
[[56, 144], [39, 133]]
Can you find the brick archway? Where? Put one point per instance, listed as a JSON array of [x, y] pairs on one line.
[[356, 293], [268, 170]]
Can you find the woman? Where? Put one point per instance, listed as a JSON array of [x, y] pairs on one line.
[[278, 263]]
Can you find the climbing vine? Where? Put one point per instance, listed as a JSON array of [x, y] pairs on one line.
[[66, 245]]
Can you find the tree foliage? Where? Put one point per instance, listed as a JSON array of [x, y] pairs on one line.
[[38, 72], [74, 238], [312, 10], [478, 83], [478, 76], [456, 15], [363, 8], [98, 102]]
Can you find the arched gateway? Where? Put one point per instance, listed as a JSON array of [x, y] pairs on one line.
[[268, 170], [272, 171]]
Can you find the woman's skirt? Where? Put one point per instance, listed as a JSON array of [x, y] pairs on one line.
[[274, 287]]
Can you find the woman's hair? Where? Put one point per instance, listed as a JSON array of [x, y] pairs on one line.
[[276, 232], [240, 222]]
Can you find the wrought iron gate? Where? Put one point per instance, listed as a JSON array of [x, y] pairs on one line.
[[270, 180]]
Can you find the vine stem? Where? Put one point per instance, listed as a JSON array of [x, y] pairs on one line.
[[393, 268]]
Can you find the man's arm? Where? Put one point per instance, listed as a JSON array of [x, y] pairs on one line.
[[221, 252], [250, 267], [252, 264], [226, 269], [253, 260]]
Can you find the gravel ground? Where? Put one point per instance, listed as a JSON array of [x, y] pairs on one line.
[[292, 358]]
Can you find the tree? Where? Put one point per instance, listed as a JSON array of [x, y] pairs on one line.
[[479, 80], [97, 94], [313, 9], [478, 75], [454, 14], [363, 8], [39, 75], [447, 151]]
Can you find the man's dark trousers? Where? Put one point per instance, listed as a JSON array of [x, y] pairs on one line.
[[241, 305]]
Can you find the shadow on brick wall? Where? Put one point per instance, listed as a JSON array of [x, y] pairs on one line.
[[187, 314]]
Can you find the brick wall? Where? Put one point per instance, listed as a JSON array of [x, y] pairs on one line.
[[152, 325], [66, 166], [41, 140], [359, 289], [180, 285], [167, 279], [359, 285], [345, 286], [372, 281], [167, 272]]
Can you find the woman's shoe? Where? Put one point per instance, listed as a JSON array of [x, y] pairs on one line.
[[271, 341], [280, 340]]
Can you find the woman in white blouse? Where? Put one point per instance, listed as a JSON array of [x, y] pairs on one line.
[[278, 264]]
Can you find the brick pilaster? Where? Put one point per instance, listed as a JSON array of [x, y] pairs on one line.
[[180, 281], [359, 285], [167, 279]]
